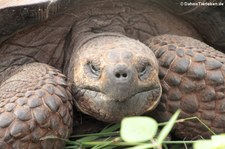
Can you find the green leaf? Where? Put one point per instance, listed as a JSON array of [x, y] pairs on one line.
[[166, 129], [203, 144], [220, 138], [216, 142], [138, 129]]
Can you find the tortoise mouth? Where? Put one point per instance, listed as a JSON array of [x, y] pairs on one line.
[[102, 107]]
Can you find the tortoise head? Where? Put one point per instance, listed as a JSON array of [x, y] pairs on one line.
[[115, 76]]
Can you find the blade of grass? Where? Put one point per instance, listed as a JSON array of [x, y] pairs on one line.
[[111, 128], [187, 119], [166, 129], [165, 146], [109, 147], [87, 139], [55, 137], [72, 147], [100, 146], [108, 129]]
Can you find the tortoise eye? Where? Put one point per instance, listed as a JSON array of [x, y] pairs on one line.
[[94, 68], [143, 69]]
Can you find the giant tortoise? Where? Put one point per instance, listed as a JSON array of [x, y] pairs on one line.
[[77, 63]]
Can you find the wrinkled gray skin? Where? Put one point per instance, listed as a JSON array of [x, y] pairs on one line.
[[101, 79], [108, 74]]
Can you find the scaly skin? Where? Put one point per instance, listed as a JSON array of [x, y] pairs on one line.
[[192, 76], [35, 102]]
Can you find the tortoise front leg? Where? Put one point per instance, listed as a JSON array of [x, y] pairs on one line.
[[34, 102], [192, 76]]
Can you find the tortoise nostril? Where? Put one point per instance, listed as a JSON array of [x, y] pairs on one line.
[[117, 75], [124, 75], [121, 73]]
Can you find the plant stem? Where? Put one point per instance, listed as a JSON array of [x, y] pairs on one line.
[[97, 134], [190, 118], [111, 143], [179, 142], [94, 143]]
